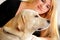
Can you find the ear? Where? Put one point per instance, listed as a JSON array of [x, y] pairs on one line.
[[13, 24], [21, 22], [25, 16]]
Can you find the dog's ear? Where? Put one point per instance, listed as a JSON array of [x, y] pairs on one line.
[[21, 22], [15, 23]]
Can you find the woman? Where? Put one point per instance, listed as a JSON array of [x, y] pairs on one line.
[[46, 9]]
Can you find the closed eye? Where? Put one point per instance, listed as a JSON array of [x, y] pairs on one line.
[[48, 6]]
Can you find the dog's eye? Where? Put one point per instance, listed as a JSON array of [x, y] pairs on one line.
[[36, 15]]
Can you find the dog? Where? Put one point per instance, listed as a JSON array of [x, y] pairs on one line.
[[23, 25]]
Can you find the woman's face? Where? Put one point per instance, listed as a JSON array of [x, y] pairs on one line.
[[40, 6]]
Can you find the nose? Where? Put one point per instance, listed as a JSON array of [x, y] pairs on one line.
[[48, 21], [37, 33]]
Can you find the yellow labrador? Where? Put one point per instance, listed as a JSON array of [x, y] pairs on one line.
[[22, 26]]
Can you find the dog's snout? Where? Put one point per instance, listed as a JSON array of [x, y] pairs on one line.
[[48, 21]]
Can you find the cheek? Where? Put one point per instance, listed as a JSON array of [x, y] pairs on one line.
[[44, 9]]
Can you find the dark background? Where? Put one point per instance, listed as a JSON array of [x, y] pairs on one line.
[[8, 10]]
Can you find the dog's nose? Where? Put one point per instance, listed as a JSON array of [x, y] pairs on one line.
[[48, 21], [37, 33]]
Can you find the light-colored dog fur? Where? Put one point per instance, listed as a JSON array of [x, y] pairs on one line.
[[22, 26]]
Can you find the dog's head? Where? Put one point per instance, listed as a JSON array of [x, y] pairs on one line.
[[33, 21]]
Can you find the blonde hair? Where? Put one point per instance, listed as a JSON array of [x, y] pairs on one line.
[[52, 31]]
